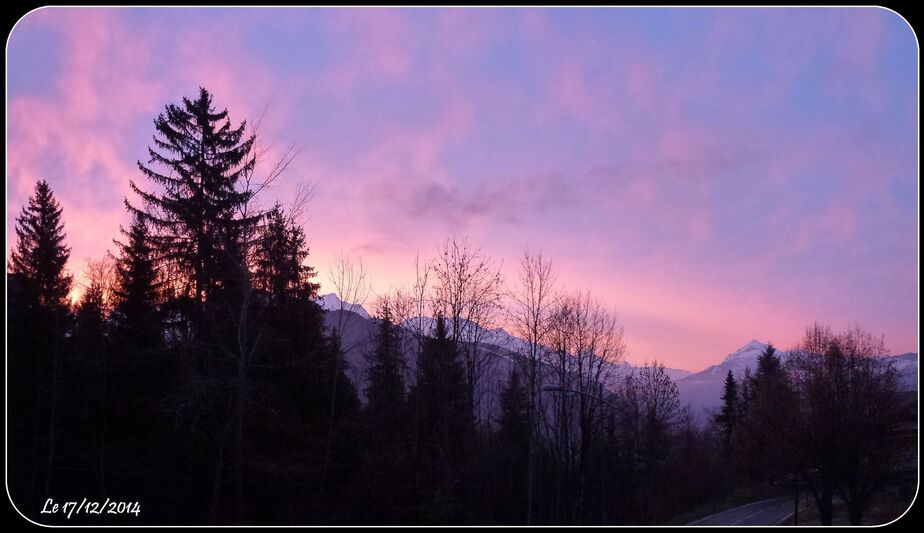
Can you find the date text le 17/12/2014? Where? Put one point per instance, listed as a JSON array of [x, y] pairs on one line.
[[90, 507]]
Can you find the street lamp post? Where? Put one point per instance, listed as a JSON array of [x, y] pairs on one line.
[[557, 388]]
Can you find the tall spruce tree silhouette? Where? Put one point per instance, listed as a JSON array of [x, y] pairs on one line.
[[727, 418], [137, 318], [198, 160], [39, 316], [280, 253]]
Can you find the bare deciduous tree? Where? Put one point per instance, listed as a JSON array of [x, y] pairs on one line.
[[102, 273], [417, 304], [350, 283], [468, 292], [587, 343], [351, 286], [530, 312], [850, 418]]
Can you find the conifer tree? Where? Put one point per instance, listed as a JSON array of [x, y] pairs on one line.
[[280, 253], [442, 386], [768, 405], [90, 322], [746, 396], [197, 210], [512, 445], [40, 255], [445, 421], [199, 161], [388, 471], [85, 392], [136, 315], [727, 418], [768, 364], [769, 382], [513, 424], [41, 285], [141, 371], [386, 384]]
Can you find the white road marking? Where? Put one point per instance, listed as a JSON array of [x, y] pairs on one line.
[[736, 509]]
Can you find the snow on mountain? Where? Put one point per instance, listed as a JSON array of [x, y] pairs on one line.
[[906, 365], [744, 357], [905, 361], [496, 336], [331, 302], [676, 373], [703, 390], [624, 367]]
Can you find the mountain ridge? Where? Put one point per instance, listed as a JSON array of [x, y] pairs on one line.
[[701, 390]]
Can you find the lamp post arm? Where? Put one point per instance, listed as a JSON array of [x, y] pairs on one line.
[[552, 388]]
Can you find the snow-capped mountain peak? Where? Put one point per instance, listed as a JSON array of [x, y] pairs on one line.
[[701, 390], [746, 353], [704, 389], [471, 331], [331, 302], [754, 344]]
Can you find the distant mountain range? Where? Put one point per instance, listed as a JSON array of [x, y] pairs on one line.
[[702, 390], [330, 302]]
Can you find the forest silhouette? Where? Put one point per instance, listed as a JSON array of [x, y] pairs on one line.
[[199, 377]]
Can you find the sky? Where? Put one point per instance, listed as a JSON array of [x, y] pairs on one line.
[[711, 175]]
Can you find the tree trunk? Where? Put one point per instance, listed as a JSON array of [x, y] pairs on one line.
[[216, 485], [49, 465], [825, 505], [854, 512], [239, 444], [330, 428], [565, 451], [530, 443], [582, 464], [36, 440], [101, 480]]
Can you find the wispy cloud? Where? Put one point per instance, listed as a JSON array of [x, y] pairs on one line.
[[737, 172]]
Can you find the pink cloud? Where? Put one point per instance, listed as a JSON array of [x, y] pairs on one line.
[[575, 94], [83, 137], [380, 47], [863, 35], [533, 22], [69, 138], [699, 227], [397, 189], [419, 149], [571, 91], [676, 144], [642, 82], [465, 30], [671, 313]]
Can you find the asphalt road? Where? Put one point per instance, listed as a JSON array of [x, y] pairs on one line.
[[763, 513]]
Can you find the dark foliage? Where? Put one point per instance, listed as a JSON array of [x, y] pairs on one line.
[[204, 384]]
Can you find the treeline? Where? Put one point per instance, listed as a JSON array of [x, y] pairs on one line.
[[199, 376], [832, 420]]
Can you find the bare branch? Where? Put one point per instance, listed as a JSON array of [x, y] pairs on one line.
[[351, 285]]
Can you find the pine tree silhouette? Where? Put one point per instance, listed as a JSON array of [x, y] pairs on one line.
[[280, 253], [196, 221], [40, 317], [40, 255], [727, 418], [137, 316]]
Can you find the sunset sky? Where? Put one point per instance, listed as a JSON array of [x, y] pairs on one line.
[[713, 175]]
